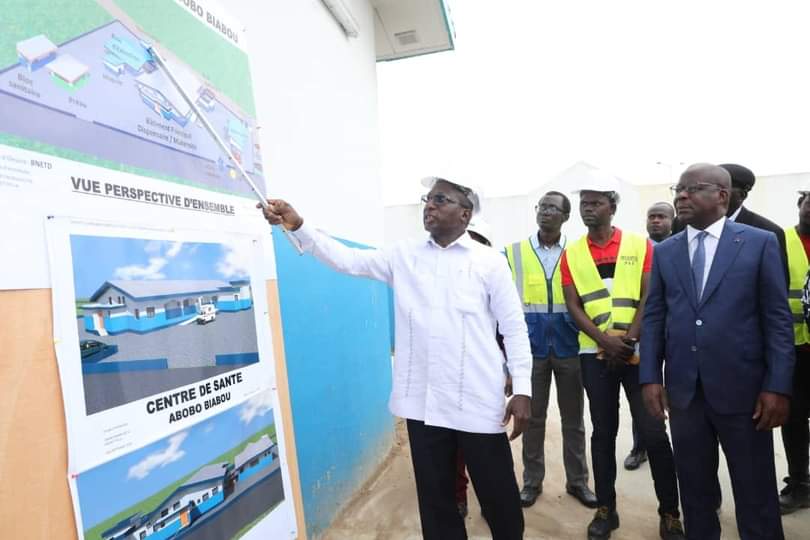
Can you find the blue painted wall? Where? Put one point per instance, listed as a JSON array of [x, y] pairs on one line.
[[165, 532], [250, 471], [212, 501], [337, 340], [128, 323], [163, 319], [230, 305]]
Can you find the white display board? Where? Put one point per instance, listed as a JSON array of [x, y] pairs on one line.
[[114, 196]]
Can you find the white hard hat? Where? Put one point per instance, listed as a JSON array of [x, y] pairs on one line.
[[469, 190], [480, 226], [598, 181]]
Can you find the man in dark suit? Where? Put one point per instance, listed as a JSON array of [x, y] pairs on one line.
[[717, 312], [742, 181]]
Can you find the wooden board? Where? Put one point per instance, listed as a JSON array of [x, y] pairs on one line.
[[35, 500]]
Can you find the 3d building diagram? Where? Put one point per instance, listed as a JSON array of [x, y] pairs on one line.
[[142, 306], [201, 493], [160, 95], [35, 52], [123, 54], [68, 72], [96, 92], [161, 334], [144, 329], [213, 487]]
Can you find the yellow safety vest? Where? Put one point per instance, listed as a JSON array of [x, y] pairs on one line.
[[797, 265], [608, 310], [530, 279]]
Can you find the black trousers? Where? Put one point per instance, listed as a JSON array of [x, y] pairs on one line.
[[796, 432], [602, 386], [489, 462], [638, 446]]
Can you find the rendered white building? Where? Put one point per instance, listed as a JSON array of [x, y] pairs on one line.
[[36, 52], [68, 70]]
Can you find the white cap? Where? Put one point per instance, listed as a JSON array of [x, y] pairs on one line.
[[480, 226], [598, 181], [473, 195]]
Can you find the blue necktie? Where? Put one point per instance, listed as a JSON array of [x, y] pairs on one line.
[[698, 263]]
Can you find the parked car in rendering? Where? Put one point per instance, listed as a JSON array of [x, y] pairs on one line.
[[93, 351], [208, 313]]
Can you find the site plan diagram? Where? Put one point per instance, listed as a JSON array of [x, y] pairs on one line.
[[84, 86]]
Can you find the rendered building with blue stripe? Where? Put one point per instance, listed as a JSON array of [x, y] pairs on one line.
[[202, 492], [35, 52], [208, 488], [142, 306], [255, 457]]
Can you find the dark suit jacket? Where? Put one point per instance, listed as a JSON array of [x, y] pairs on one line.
[[747, 217], [738, 339]]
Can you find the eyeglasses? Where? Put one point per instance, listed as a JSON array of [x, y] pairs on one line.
[[547, 209], [440, 199], [694, 188]]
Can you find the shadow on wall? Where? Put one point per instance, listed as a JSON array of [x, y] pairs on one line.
[[337, 340]]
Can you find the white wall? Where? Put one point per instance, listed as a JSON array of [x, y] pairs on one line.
[[403, 221], [316, 97]]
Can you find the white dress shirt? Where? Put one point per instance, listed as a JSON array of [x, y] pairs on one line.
[[709, 244], [733, 217], [448, 369]]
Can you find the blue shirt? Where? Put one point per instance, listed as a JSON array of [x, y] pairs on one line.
[[551, 333], [549, 255]]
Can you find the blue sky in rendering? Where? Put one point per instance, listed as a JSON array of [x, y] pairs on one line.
[[98, 259], [114, 486]]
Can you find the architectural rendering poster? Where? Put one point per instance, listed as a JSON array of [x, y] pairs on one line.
[[218, 479], [153, 331], [125, 207], [161, 336], [153, 316], [92, 126]]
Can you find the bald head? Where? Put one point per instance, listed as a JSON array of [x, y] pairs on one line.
[[708, 174], [702, 194]]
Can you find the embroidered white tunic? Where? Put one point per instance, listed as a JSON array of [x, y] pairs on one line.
[[448, 369]]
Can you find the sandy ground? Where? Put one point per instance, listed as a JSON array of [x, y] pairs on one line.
[[386, 509]]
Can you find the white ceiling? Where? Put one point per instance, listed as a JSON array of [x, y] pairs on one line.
[[404, 28]]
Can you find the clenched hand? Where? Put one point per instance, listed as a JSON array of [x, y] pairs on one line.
[[279, 212]]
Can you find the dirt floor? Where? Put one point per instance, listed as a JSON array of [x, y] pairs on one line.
[[386, 509]]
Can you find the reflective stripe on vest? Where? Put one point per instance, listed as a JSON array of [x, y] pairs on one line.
[[606, 310], [797, 266], [531, 282]]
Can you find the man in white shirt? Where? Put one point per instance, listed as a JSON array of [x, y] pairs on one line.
[[450, 292]]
